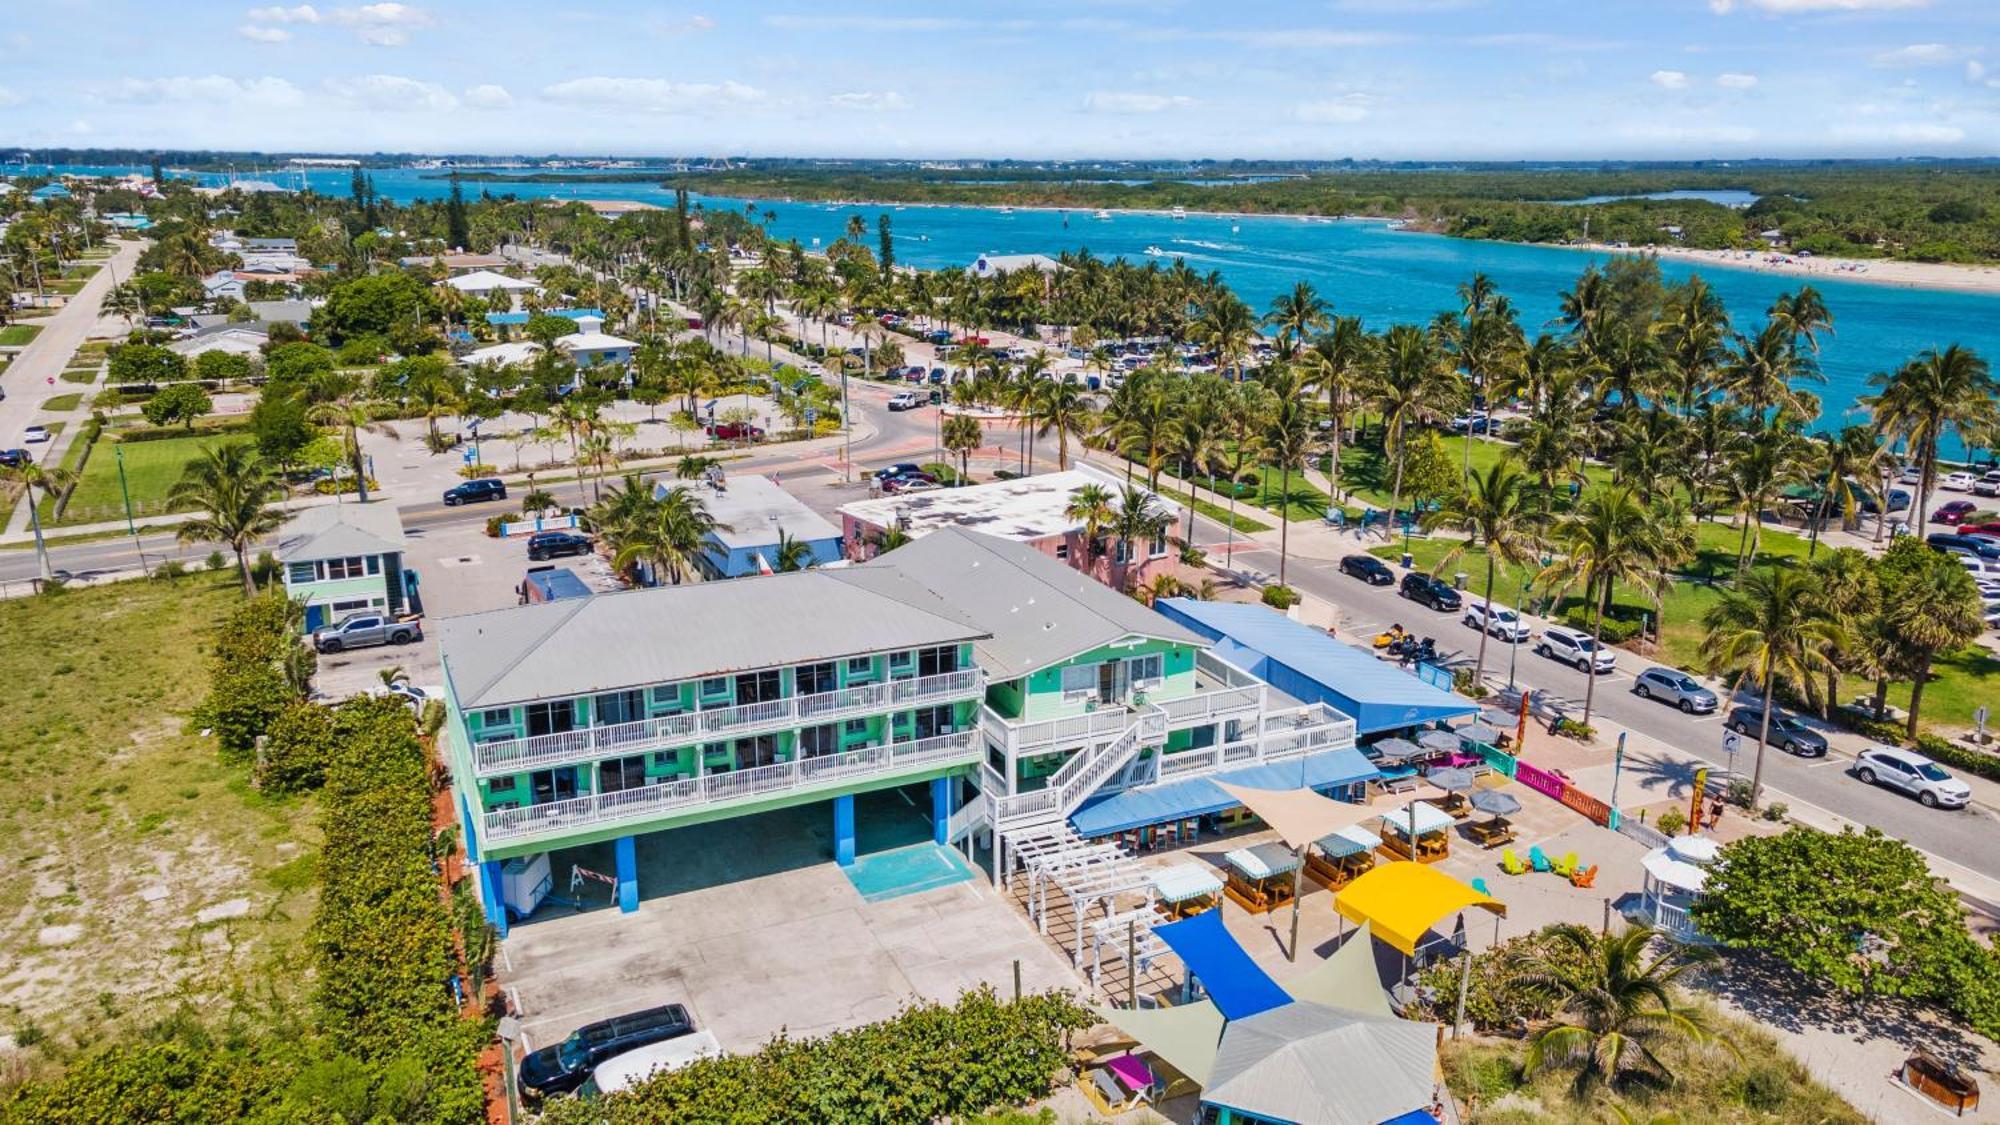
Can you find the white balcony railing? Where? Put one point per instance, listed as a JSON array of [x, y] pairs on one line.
[[653, 800], [1212, 706], [1082, 774], [514, 755], [1056, 734]]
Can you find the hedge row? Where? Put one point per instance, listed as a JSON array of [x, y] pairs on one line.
[[930, 1063]]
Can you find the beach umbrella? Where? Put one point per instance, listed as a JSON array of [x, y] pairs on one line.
[[1397, 749], [1495, 802], [1442, 740], [1494, 717], [1452, 780], [1479, 732]]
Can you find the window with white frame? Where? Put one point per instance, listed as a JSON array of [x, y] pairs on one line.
[[1144, 671], [1079, 680], [1158, 548], [353, 567], [302, 572]]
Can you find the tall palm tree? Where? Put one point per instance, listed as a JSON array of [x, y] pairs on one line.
[[962, 434], [1769, 461], [1939, 393], [1338, 364], [1494, 510], [1090, 506], [351, 413], [235, 498], [1229, 328], [1063, 407], [1773, 628], [1414, 385], [1848, 459], [51, 480], [1619, 1006], [1850, 595], [1137, 522], [1933, 610], [1245, 411], [1297, 314], [1608, 539], [1760, 374], [670, 534], [1288, 438], [1204, 420], [793, 554]]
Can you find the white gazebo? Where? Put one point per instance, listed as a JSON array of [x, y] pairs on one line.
[[1675, 876]]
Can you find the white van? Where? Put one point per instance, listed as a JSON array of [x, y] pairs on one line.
[[622, 1072]]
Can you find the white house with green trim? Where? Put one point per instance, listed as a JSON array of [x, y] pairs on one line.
[[1015, 686], [344, 559]]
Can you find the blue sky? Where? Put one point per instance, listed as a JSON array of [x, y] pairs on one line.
[[1422, 79]]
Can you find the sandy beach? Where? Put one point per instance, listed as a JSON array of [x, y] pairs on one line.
[[1905, 275]]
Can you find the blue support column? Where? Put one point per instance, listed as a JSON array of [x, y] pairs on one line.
[[627, 850], [941, 808], [465, 826], [489, 893], [843, 830]]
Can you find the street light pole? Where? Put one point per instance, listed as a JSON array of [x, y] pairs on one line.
[[125, 491]]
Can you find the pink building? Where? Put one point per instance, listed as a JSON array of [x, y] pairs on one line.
[[1030, 510]]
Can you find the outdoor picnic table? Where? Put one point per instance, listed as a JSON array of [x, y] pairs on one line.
[[1490, 833], [1187, 888]]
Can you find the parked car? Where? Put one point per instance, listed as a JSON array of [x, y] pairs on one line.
[[562, 1067], [556, 544], [1954, 511], [1671, 685], [1962, 545], [1987, 485], [1910, 475], [899, 469], [622, 1072], [1787, 732], [366, 630], [1957, 482], [1899, 501], [1990, 527], [1436, 593], [474, 491], [736, 431], [1504, 623], [906, 400], [1573, 646], [1913, 774], [34, 434], [14, 458], [1369, 569], [914, 482]]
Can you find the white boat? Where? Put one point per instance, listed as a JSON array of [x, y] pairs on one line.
[[1102, 214], [1235, 229], [1006, 210], [1179, 212], [1155, 252]]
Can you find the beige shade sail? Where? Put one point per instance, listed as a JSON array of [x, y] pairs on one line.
[[1185, 1036], [1302, 816], [1347, 980]]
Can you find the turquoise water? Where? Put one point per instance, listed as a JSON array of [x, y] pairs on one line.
[[881, 876], [1365, 269]]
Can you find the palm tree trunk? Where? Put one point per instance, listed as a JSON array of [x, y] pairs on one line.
[[1395, 499], [1763, 738], [1596, 642], [1284, 526], [354, 454], [1881, 698], [1333, 466], [1917, 696], [1479, 663], [243, 568]]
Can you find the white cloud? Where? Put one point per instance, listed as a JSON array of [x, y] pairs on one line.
[[210, 89], [1925, 54], [654, 95], [304, 13], [390, 92], [1669, 79], [9, 98], [1344, 110], [1736, 81], [1721, 7], [258, 34], [1103, 101], [874, 100], [1975, 73], [890, 23], [688, 26], [488, 96], [387, 24], [1906, 132]]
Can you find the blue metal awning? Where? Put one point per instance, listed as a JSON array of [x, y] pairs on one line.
[[1234, 982], [1179, 800], [1311, 666]]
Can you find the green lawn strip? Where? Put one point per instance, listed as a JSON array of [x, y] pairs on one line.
[[1221, 515], [151, 468], [95, 690], [61, 404], [1368, 475], [15, 335], [83, 375]]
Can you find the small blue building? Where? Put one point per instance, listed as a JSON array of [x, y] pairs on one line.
[[754, 510]]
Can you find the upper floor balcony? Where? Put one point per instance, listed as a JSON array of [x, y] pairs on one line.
[[514, 755], [1222, 692]]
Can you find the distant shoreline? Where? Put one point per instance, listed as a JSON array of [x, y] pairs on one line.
[[1938, 276]]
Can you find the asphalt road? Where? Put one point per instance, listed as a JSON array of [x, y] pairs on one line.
[[1964, 837]]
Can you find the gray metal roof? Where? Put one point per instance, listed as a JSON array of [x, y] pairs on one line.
[[1316, 1065], [338, 531], [1037, 609], [670, 633], [756, 510]]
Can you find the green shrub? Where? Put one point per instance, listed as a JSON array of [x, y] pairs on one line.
[[1967, 758], [1614, 630], [494, 524], [296, 748], [1672, 821], [247, 687], [1280, 597]]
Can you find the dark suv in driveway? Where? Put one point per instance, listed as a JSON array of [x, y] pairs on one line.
[[473, 491], [1787, 732], [1436, 593], [555, 544], [564, 1066]]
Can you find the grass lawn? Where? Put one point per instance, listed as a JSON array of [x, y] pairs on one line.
[[15, 335], [123, 828], [83, 375], [60, 404], [151, 468], [1368, 475], [1220, 514]]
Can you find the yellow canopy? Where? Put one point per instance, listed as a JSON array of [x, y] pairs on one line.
[[1402, 900], [1302, 816]]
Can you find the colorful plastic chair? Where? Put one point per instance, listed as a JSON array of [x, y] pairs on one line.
[[1585, 877], [1566, 866], [1537, 859], [1511, 863], [1480, 886]]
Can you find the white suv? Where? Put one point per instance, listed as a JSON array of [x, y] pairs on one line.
[[1572, 646], [1913, 774], [1505, 624]]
